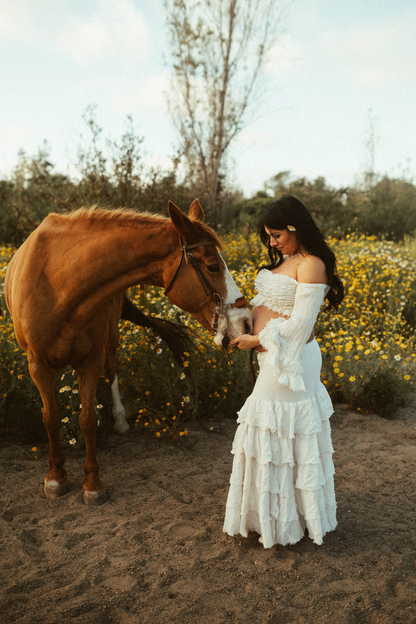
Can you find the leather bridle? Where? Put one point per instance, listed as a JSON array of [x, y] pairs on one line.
[[220, 307]]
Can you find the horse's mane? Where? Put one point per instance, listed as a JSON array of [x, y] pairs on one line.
[[94, 214], [103, 214]]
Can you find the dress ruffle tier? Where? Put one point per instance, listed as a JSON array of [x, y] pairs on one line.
[[282, 478]]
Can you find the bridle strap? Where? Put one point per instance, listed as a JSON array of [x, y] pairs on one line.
[[189, 257], [241, 302], [220, 307], [172, 281], [208, 289]]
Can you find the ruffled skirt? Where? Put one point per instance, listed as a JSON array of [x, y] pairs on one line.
[[283, 474]]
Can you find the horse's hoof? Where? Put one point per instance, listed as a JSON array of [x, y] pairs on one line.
[[95, 498], [53, 489], [122, 428]]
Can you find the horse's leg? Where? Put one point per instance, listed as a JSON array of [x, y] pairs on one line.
[[121, 425], [45, 380], [89, 374]]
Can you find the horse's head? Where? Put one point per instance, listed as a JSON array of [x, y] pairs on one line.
[[197, 279]]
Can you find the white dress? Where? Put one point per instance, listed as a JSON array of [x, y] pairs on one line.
[[283, 475]]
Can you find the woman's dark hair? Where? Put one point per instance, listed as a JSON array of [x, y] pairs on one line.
[[290, 211]]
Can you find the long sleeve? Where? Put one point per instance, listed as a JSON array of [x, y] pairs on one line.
[[284, 339]]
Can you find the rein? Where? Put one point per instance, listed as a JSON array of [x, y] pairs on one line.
[[220, 307]]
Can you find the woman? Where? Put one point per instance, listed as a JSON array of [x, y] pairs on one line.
[[282, 478]]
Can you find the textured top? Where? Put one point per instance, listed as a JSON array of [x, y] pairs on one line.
[[276, 291]]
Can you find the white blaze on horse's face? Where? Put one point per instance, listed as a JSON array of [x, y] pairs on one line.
[[239, 319]]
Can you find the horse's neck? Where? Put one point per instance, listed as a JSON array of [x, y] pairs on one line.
[[139, 254], [114, 260], [132, 253]]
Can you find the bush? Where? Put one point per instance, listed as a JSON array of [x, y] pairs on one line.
[[384, 393], [327, 205], [370, 339], [246, 212], [386, 208], [368, 351], [383, 207]]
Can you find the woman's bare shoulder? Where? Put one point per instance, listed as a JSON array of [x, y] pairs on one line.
[[312, 270]]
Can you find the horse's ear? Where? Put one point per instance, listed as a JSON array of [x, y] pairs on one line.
[[180, 221], [195, 211]]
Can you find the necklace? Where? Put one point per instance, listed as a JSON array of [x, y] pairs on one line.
[[298, 254]]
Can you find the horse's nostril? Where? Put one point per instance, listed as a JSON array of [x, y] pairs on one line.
[[247, 328], [225, 341]]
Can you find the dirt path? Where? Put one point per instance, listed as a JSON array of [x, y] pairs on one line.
[[155, 552]]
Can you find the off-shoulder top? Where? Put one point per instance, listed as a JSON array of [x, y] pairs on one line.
[[284, 338]]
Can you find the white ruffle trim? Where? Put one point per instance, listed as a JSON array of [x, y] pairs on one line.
[[260, 301], [289, 418], [289, 372], [282, 483]]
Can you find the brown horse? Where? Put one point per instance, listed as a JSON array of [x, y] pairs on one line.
[[65, 289]]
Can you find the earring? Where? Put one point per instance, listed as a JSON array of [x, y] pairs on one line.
[[291, 228]]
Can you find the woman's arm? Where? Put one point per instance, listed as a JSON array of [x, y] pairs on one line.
[[309, 297], [312, 271], [285, 340]]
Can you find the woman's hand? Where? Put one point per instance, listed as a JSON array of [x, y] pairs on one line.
[[246, 341]]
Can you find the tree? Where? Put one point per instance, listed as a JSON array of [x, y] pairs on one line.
[[218, 50], [328, 205], [111, 171], [386, 208], [370, 145]]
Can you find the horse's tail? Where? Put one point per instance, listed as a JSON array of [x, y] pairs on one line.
[[175, 335]]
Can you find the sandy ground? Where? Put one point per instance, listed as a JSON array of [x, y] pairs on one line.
[[155, 552]]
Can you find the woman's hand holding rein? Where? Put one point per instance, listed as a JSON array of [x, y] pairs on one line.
[[246, 341]]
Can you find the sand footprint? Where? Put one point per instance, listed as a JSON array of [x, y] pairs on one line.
[[182, 530]]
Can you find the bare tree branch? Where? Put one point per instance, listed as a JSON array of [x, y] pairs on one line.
[[218, 51]]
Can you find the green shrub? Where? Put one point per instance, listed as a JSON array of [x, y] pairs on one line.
[[368, 350], [383, 394]]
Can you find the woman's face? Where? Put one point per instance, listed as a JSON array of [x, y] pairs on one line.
[[285, 241]]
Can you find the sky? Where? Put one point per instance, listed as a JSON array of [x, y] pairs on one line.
[[336, 64]]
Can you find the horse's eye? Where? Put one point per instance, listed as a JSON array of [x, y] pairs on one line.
[[213, 268]]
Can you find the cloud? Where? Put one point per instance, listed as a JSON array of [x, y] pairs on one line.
[[257, 137], [372, 55], [285, 56], [124, 95], [117, 30], [104, 30], [12, 139], [145, 97], [16, 20]]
